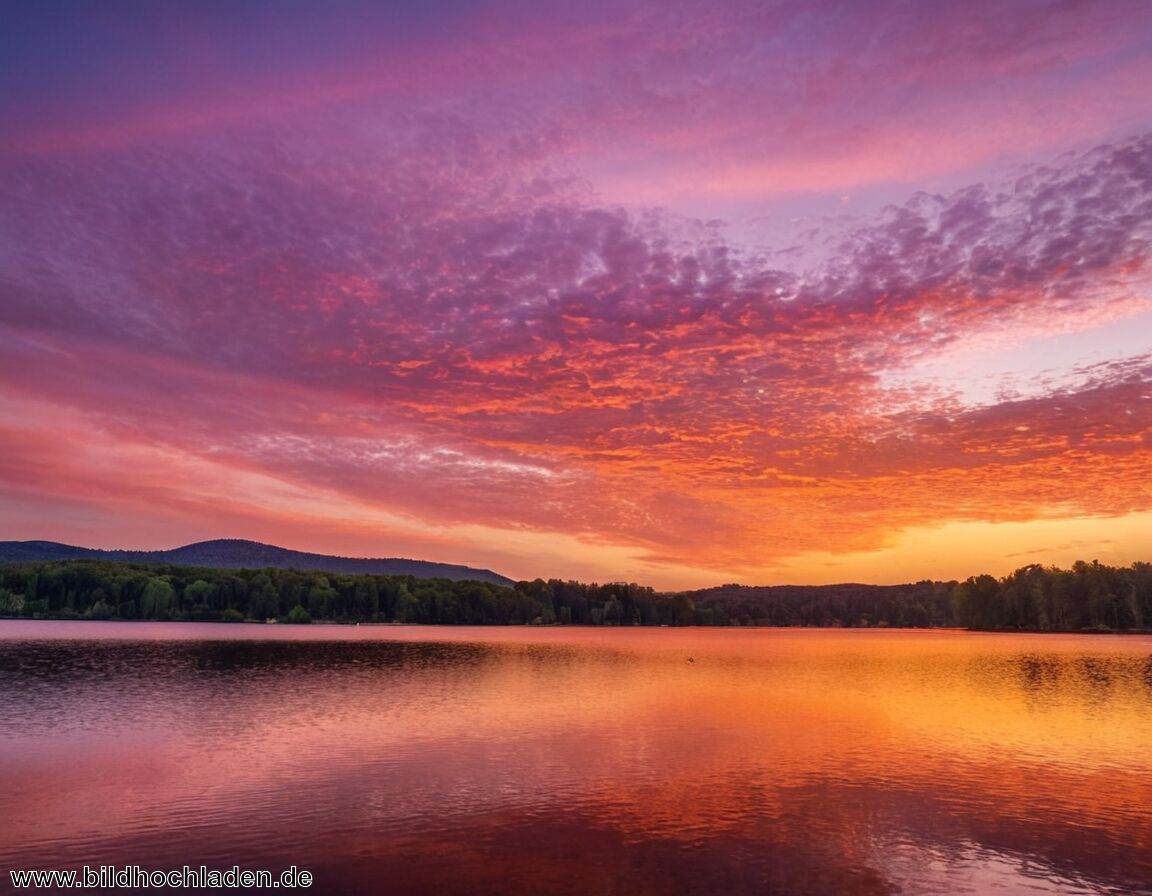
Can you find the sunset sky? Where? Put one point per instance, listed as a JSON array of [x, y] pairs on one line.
[[681, 293]]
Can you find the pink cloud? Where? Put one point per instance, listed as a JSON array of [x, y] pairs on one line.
[[406, 282], [389, 338]]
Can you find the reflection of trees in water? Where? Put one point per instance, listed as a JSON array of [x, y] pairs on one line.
[[1037, 671], [778, 762], [1051, 680], [70, 685], [1098, 675], [1040, 678]]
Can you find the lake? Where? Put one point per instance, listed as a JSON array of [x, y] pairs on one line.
[[408, 759]]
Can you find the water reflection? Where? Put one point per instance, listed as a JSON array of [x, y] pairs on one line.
[[576, 761]]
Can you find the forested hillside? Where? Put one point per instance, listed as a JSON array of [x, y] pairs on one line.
[[237, 553], [1089, 597]]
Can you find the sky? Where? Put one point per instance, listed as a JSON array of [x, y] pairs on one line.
[[682, 293]]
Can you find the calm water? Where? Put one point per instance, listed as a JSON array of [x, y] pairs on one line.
[[520, 761]]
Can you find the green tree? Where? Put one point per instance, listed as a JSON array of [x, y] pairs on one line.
[[299, 616], [156, 599], [263, 599], [198, 596], [11, 604], [321, 599]]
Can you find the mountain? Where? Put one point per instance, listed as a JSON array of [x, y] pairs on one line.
[[235, 553]]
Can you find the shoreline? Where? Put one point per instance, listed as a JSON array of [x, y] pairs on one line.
[[558, 625]]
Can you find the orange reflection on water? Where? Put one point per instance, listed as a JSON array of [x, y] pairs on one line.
[[668, 760]]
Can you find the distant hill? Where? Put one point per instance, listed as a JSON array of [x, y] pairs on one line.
[[235, 553], [850, 604]]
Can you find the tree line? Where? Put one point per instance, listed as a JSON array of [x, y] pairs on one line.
[[1089, 596], [101, 589], [923, 604]]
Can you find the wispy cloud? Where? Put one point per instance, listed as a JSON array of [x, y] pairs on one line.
[[429, 304]]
